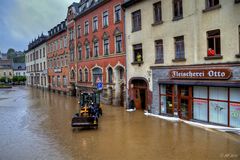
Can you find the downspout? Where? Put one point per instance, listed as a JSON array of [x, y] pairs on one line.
[[125, 44]]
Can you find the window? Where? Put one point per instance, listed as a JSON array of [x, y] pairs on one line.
[[87, 50], [106, 46], [44, 52], [121, 73], [105, 19], [110, 75], [117, 13], [214, 43], [79, 52], [44, 65], [118, 44], [64, 81], [65, 42], [58, 81], [136, 21], [211, 3], [95, 23], [80, 75], [72, 74], [53, 81], [200, 103], [97, 74], [86, 75], [177, 9], [157, 9], [137, 53], [79, 31], [179, 48], [86, 29], [40, 53], [159, 51], [166, 99], [72, 53], [237, 1], [239, 38], [96, 48]]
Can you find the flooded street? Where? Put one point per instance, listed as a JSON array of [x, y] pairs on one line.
[[35, 124]]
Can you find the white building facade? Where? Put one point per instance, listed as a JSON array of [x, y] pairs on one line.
[[36, 63]]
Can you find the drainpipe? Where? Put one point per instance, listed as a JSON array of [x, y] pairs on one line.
[[125, 44]]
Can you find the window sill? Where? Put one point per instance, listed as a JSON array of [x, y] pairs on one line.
[[237, 55], [116, 22], [157, 23], [159, 61], [213, 57], [211, 8], [177, 18], [105, 26], [137, 63], [179, 60], [137, 29]]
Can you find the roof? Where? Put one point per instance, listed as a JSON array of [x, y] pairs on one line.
[[19, 66], [6, 64], [129, 3]]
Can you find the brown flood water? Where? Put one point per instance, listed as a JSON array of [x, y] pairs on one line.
[[36, 125]]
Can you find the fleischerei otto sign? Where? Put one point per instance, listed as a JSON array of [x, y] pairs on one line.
[[218, 74]]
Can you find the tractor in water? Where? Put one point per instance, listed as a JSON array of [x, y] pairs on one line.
[[89, 111]]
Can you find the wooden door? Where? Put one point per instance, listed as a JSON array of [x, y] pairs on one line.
[[185, 102]]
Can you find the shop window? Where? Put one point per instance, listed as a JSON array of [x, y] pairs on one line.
[[64, 81], [58, 81], [159, 51], [157, 12], [166, 99], [200, 103], [136, 21], [177, 9], [214, 43], [234, 107], [179, 48], [137, 53], [218, 105]]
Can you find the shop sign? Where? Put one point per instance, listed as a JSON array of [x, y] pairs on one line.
[[218, 74]]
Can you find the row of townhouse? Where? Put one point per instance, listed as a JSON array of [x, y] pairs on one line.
[[175, 58], [183, 58]]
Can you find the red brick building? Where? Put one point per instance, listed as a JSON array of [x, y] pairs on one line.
[[97, 50], [58, 59]]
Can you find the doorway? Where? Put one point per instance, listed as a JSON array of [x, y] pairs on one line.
[[185, 102]]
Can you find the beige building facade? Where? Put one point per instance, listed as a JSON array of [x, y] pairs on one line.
[[187, 55]]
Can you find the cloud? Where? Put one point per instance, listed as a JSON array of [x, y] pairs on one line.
[[23, 20]]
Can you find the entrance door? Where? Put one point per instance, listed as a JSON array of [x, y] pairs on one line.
[[140, 98], [185, 102]]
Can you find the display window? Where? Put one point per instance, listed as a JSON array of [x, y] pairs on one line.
[[166, 99]]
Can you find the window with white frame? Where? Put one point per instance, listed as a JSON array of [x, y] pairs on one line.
[[87, 50], [117, 13], [118, 43], [79, 31], [95, 23], [106, 46], [86, 28], [96, 48], [105, 19]]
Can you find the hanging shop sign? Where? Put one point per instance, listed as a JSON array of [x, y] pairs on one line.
[[218, 74]]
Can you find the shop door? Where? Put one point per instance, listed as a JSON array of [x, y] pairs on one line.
[[185, 102]]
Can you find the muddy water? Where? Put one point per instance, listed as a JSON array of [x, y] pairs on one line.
[[36, 125]]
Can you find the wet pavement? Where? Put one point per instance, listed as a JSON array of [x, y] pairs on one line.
[[35, 124]]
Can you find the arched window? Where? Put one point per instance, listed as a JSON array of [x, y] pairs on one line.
[[110, 75], [97, 73], [121, 73], [80, 75], [86, 75], [72, 75]]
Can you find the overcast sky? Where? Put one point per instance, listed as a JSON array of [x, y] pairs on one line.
[[23, 20]]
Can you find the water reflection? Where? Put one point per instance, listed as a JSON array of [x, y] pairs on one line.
[[36, 125]]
